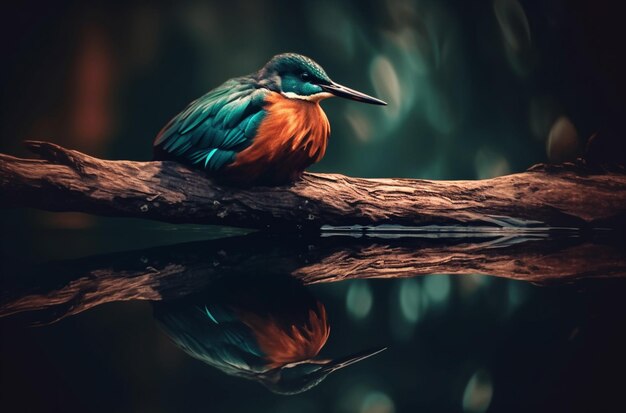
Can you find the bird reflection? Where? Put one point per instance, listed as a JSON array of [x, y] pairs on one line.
[[268, 329]]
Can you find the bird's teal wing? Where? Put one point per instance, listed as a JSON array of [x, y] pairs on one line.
[[214, 128], [212, 333]]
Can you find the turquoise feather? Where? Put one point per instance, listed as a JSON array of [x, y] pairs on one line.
[[213, 334], [214, 128]]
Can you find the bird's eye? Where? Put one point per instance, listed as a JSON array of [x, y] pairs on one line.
[[305, 76]]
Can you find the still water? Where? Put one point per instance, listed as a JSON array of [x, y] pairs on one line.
[[205, 319]]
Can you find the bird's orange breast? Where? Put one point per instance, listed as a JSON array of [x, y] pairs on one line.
[[292, 136], [282, 344]]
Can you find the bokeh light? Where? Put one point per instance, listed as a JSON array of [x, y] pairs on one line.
[[543, 112], [515, 30], [490, 164], [563, 142]]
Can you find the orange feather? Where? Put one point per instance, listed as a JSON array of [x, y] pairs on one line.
[[288, 344], [292, 136]]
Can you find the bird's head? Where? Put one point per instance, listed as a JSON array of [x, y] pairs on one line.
[[299, 77], [298, 377]]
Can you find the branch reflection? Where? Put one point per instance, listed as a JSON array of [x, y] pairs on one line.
[[60, 289]]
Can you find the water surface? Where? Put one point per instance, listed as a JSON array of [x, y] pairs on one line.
[[83, 330]]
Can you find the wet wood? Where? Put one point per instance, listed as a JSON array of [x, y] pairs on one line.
[[57, 290], [67, 180]]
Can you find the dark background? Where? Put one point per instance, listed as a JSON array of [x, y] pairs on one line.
[[475, 88]]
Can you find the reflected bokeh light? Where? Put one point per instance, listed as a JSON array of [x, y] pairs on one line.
[[517, 293], [359, 299], [365, 397], [410, 300], [377, 402], [471, 284], [437, 287], [478, 392]]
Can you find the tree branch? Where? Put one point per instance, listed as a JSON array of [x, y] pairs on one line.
[[67, 180], [173, 271]]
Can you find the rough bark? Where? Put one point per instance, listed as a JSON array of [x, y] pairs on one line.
[[57, 290], [67, 180]]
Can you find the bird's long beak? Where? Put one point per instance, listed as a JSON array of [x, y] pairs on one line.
[[346, 361], [345, 92]]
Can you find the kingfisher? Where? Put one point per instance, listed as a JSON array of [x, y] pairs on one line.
[[265, 128], [268, 329]]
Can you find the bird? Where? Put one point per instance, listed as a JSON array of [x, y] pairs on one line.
[[265, 128], [268, 329]]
